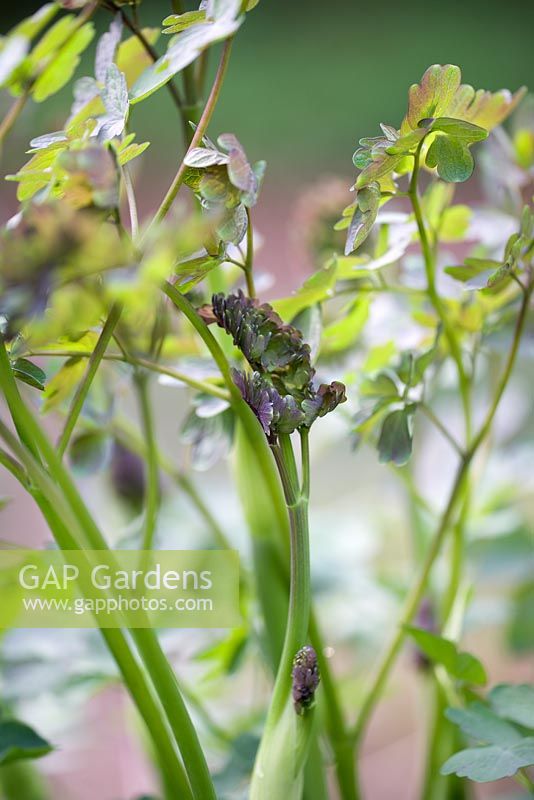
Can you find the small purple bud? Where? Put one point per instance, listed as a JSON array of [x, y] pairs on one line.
[[305, 678], [128, 476], [426, 620]]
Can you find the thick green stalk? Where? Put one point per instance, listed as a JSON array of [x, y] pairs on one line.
[[246, 416], [70, 535], [258, 444], [336, 726], [82, 391], [287, 737], [149, 648], [21, 781], [298, 619], [152, 492]]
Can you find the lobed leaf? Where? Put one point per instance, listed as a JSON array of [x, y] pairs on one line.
[[514, 702], [452, 159], [481, 723], [483, 764], [462, 666], [395, 441]]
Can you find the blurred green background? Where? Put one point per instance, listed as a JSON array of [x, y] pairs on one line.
[[308, 78]]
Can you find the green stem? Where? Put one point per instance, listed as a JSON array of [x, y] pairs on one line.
[[417, 592], [136, 30], [338, 735], [152, 493], [505, 377], [13, 466], [430, 269], [83, 388], [411, 606], [70, 535], [259, 446], [441, 427], [201, 129], [298, 619], [523, 778], [201, 386], [249, 261], [12, 115]]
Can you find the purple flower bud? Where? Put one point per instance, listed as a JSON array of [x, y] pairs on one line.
[[128, 476], [305, 678], [426, 620]]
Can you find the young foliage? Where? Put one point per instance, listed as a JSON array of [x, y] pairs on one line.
[[507, 747]]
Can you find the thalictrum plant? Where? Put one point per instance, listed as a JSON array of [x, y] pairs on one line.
[[91, 292]]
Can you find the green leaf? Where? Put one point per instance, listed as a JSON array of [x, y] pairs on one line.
[[452, 158], [52, 40], [319, 287], [210, 437], [381, 385], [454, 223], [462, 666], [233, 226], [191, 272], [106, 49], [63, 383], [175, 23], [34, 24], [514, 702], [459, 129], [474, 272], [344, 332], [186, 48], [379, 356], [395, 441], [61, 68], [12, 56], [480, 723], [29, 373], [19, 741], [132, 58], [202, 157], [366, 210], [115, 98], [441, 94], [89, 452], [129, 152], [483, 764], [433, 96]]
